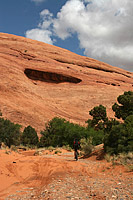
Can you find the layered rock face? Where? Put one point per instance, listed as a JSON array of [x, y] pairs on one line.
[[40, 81]]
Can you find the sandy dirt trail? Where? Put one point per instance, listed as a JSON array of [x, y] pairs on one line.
[[58, 176]]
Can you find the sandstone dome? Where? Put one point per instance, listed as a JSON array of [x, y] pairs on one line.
[[39, 81]]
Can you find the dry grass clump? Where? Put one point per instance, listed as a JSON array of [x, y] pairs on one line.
[[3, 146], [50, 148], [7, 152], [38, 153], [108, 157], [86, 146], [121, 159], [14, 148], [67, 147]]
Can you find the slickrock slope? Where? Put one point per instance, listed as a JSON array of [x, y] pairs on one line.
[[40, 81]]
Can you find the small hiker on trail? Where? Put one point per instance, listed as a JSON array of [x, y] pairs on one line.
[[76, 146]]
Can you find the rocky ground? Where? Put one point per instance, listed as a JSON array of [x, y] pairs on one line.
[[58, 176]]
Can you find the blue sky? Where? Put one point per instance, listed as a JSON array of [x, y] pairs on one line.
[[100, 29]]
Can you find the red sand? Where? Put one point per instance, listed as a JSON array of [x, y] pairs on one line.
[[25, 170]]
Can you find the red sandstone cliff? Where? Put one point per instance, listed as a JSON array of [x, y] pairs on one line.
[[40, 81]]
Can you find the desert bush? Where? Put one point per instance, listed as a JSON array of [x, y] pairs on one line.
[[29, 137], [96, 136], [9, 132], [99, 117], [67, 147], [14, 148], [124, 107], [108, 157], [117, 137], [120, 138], [59, 132], [38, 153], [3, 146], [130, 156], [57, 151], [86, 146], [50, 148], [22, 147], [126, 158]]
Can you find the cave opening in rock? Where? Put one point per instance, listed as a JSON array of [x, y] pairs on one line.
[[50, 77]]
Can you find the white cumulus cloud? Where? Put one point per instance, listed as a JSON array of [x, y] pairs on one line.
[[104, 29], [40, 35], [43, 32]]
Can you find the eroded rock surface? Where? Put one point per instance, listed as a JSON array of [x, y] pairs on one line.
[[50, 77], [40, 81]]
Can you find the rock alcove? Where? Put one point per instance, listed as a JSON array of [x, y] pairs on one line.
[[50, 77]]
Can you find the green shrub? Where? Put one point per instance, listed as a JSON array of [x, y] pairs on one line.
[[29, 137], [59, 132], [125, 106], [9, 132], [99, 117], [96, 136], [116, 137], [119, 139]]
